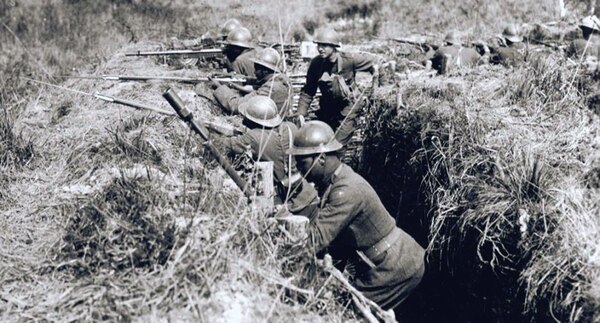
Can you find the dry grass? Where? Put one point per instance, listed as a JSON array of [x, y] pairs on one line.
[[499, 164], [115, 214]]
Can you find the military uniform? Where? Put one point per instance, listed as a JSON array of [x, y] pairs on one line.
[[583, 47], [451, 57], [334, 107], [243, 64], [510, 56], [270, 145], [388, 262], [276, 86]]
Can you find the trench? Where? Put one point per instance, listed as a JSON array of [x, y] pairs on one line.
[[396, 159]]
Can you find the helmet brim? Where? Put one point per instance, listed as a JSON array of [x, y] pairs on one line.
[[321, 149], [327, 43], [269, 123], [514, 39], [265, 64], [239, 44]]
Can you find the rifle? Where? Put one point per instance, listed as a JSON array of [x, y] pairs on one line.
[[186, 115], [198, 52], [422, 45], [222, 128], [543, 43], [188, 80]]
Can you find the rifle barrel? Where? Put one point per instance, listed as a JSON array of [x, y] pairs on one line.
[[209, 51]]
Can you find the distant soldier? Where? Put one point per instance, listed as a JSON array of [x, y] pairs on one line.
[[453, 55], [353, 225], [229, 26], [589, 45], [270, 80], [209, 38], [333, 73], [240, 51], [268, 138], [511, 50]]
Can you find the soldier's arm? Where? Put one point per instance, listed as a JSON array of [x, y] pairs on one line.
[[333, 218], [364, 62], [310, 88], [235, 145], [228, 98]]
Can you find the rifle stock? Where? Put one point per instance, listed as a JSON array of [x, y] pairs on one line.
[[186, 115], [422, 45]]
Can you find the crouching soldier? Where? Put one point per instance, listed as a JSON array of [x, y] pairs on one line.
[[270, 80], [268, 138], [453, 55], [351, 221]]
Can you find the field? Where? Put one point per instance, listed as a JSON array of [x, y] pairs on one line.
[[112, 213]]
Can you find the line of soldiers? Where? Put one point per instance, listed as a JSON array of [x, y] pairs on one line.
[[346, 217], [511, 50]]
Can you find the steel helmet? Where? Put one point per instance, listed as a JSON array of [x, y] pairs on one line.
[[229, 26], [327, 36], [261, 110], [240, 37], [511, 33], [452, 38], [314, 137], [268, 58], [590, 22]]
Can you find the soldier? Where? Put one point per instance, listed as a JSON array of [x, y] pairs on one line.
[[511, 50], [270, 80], [228, 27], [353, 224], [333, 72], [453, 55], [590, 44], [268, 138], [208, 39], [240, 51]]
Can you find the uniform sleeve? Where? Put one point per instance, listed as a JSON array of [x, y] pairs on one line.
[[228, 98], [363, 62], [279, 92], [310, 88], [333, 218], [235, 145]]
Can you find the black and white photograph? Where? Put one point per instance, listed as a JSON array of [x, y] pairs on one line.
[[426, 161]]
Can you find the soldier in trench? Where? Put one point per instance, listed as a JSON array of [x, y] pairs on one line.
[[352, 224], [333, 73]]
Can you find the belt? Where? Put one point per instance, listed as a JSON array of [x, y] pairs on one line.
[[384, 244]]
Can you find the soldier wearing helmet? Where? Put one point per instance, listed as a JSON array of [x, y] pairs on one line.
[[333, 72], [240, 51], [229, 26], [268, 137], [270, 80], [353, 225], [453, 55], [587, 47], [511, 51]]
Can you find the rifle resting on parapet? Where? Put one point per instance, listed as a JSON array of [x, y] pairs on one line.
[[186, 115], [197, 52], [219, 127], [296, 79]]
